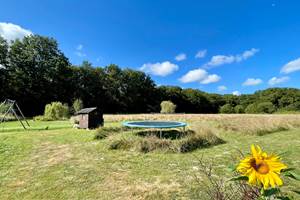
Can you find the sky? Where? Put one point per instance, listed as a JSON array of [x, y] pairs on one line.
[[231, 46]]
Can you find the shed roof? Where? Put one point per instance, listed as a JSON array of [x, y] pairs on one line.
[[85, 110]]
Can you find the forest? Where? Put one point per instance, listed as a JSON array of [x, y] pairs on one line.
[[35, 72]]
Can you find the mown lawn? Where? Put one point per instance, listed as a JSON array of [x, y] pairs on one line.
[[55, 161]]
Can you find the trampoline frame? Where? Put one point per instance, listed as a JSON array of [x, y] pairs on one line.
[[178, 125]]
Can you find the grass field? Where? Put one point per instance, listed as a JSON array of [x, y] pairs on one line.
[[54, 161]]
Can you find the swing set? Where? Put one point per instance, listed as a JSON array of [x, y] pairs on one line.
[[11, 108]]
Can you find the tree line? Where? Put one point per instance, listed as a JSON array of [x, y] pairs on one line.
[[35, 72]]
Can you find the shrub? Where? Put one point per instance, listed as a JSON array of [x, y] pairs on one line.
[[167, 107], [77, 105], [227, 108], [56, 111], [239, 109]]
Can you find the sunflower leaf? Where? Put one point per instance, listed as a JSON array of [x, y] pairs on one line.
[[239, 178], [284, 198], [292, 175], [296, 191], [270, 192], [288, 169]]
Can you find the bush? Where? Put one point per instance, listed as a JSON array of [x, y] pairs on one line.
[[227, 108], [77, 105], [264, 107], [167, 107], [56, 111], [239, 109]]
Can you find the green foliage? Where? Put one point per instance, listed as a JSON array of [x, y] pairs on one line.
[[77, 105], [56, 111], [239, 109], [227, 108], [264, 107], [167, 107]]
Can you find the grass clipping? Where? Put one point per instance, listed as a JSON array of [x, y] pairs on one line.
[[172, 141]]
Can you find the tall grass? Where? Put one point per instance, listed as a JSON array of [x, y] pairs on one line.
[[243, 123]]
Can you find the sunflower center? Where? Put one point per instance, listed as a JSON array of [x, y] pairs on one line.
[[260, 166]]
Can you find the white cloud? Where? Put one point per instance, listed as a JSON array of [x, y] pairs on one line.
[[194, 75], [201, 54], [275, 80], [80, 54], [160, 69], [11, 31], [213, 78], [79, 47], [180, 57], [292, 66], [236, 93], [222, 88], [246, 54], [222, 59], [199, 75], [252, 82]]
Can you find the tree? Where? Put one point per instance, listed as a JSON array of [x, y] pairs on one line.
[[4, 89], [56, 111], [239, 109], [77, 105], [167, 107], [227, 108], [263, 107], [38, 73]]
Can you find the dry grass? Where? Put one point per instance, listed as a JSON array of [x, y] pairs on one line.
[[243, 123]]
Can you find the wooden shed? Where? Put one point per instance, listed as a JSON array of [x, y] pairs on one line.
[[90, 118]]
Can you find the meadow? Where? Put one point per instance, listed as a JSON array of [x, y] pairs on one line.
[[52, 160]]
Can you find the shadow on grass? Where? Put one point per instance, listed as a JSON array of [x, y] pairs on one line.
[[6, 130], [172, 134]]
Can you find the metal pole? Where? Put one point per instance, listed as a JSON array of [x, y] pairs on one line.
[[18, 118], [22, 114]]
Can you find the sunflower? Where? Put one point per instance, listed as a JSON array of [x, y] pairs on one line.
[[261, 169]]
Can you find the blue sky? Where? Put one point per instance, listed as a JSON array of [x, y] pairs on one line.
[[243, 46]]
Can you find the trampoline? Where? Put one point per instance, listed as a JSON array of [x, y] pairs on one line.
[[155, 124]]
